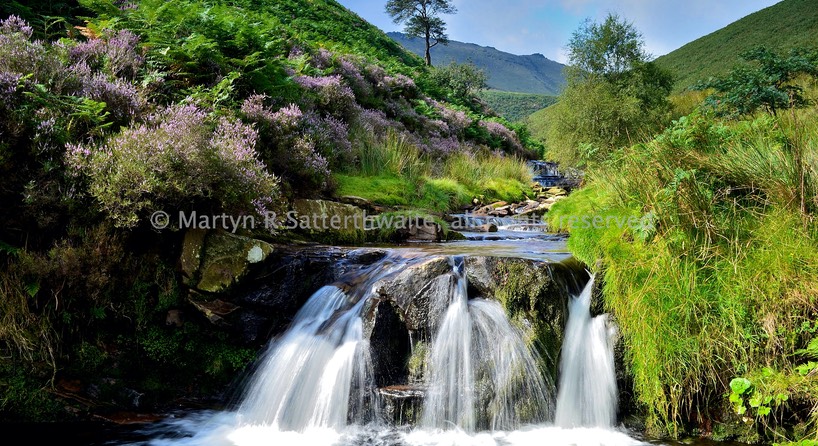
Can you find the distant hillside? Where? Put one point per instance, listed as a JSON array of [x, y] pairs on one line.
[[507, 72], [515, 106], [785, 25]]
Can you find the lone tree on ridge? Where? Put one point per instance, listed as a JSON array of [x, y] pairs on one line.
[[422, 18]]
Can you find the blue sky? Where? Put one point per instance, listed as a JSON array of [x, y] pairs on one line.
[[545, 26]]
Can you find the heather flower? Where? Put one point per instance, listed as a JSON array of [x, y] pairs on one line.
[[509, 139], [316, 83], [330, 136], [350, 72], [322, 59], [9, 82], [375, 74], [308, 161], [21, 56], [121, 54], [122, 98], [125, 5], [398, 84], [333, 95], [117, 53], [295, 52], [14, 25], [175, 157], [46, 126], [253, 109], [89, 52], [287, 119], [442, 147], [375, 121], [457, 120], [438, 128], [497, 129]]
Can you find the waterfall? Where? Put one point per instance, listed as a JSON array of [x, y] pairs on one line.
[[587, 386], [482, 374], [306, 376], [318, 374], [482, 381], [450, 397]]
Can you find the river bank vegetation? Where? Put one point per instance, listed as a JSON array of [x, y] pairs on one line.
[[715, 293]]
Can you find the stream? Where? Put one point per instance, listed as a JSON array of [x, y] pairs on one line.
[[481, 382]]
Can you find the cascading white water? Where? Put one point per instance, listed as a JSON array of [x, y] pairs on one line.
[[514, 390], [587, 394], [484, 384], [450, 395], [306, 376], [482, 375]]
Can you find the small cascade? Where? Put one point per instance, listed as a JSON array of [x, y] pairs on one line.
[[318, 374], [450, 397], [587, 386], [482, 375], [306, 377]]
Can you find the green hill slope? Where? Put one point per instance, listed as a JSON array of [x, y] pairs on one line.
[[515, 106], [507, 72], [785, 25]]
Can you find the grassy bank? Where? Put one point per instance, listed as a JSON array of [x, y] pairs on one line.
[[714, 280], [392, 171]]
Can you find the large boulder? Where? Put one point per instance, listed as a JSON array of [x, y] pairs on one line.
[[215, 261], [328, 221]]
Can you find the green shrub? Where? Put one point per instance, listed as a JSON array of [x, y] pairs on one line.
[[176, 157]]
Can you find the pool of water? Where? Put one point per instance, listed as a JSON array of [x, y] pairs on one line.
[[208, 428]]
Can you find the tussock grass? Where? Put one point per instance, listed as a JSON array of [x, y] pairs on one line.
[[392, 171], [723, 282]]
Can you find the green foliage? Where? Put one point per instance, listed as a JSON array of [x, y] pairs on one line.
[[608, 49], [614, 97], [721, 283], [462, 81], [394, 172], [24, 398], [422, 18], [515, 106], [181, 155], [780, 27], [767, 84]]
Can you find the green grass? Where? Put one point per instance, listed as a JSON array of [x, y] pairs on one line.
[[386, 190], [722, 279], [785, 25], [392, 172]]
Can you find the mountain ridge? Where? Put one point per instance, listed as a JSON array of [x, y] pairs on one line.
[[532, 73], [780, 27]]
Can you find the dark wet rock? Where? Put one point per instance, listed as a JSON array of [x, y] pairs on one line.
[[390, 344], [174, 318], [413, 287], [360, 202], [214, 310], [420, 230], [401, 404], [534, 292]]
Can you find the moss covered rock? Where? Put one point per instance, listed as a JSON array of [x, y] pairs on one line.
[[328, 221], [213, 262]]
